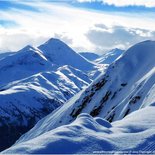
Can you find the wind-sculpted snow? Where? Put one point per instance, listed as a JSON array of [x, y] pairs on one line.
[[133, 134]]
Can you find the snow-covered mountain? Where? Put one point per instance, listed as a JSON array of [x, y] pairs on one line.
[[128, 85], [122, 89], [109, 56], [90, 56], [87, 135], [123, 95], [32, 85]]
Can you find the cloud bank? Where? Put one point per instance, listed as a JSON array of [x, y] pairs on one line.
[[117, 36], [82, 29]]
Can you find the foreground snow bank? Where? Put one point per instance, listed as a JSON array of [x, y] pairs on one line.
[[95, 135]]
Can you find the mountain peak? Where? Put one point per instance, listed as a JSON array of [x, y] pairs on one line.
[[54, 43], [27, 48], [59, 53], [52, 40]]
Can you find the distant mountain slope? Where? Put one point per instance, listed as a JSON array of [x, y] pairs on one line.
[[134, 134], [60, 54], [122, 89], [26, 62], [89, 56], [109, 56]]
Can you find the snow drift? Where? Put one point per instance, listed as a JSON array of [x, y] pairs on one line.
[[133, 134]]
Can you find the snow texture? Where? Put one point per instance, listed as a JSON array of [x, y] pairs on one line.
[[89, 135]]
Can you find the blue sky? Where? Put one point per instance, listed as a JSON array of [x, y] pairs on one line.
[[86, 25]]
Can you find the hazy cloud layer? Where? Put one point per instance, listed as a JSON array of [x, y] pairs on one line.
[[105, 38], [82, 29]]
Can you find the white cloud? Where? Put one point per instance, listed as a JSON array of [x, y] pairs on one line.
[[117, 36], [146, 3], [67, 23], [81, 1]]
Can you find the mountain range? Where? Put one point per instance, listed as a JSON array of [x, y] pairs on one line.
[[114, 113]]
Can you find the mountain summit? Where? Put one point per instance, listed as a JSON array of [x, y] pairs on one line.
[[61, 54]]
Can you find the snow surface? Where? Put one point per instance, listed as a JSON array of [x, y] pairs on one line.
[[94, 135]]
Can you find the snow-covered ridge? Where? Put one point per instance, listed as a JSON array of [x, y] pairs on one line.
[[5, 54]]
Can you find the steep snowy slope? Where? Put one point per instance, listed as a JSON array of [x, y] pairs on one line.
[[109, 56], [122, 89], [140, 96], [90, 56], [132, 135], [61, 54]]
